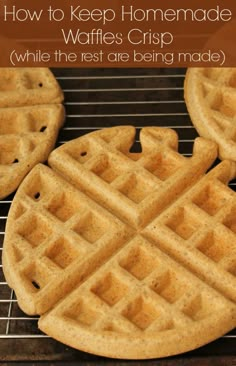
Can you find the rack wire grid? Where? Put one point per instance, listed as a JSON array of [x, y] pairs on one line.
[[95, 99]]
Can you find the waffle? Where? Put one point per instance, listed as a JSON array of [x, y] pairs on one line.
[[30, 118], [27, 136], [210, 95], [126, 255], [28, 86]]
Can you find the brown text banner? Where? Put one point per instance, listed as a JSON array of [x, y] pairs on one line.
[[116, 33]]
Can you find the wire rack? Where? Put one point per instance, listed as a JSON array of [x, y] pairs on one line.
[[99, 98]]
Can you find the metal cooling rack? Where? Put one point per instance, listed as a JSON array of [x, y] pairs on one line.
[[99, 98]]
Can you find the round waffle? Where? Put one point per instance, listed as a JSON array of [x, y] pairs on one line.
[[210, 95], [126, 255], [30, 118]]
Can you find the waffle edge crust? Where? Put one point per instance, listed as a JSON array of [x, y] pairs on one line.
[[31, 115], [126, 255], [210, 96]]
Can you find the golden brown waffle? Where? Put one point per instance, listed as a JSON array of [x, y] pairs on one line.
[[127, 255], [29, 125], [210, 95], [28, 86], [27, 136]]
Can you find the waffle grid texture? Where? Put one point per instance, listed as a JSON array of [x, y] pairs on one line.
[[210, 95], [127, 255], [30, 118]]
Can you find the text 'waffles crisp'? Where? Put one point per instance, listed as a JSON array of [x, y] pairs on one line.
[[126, 255], [210, 95], [30, 118]]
